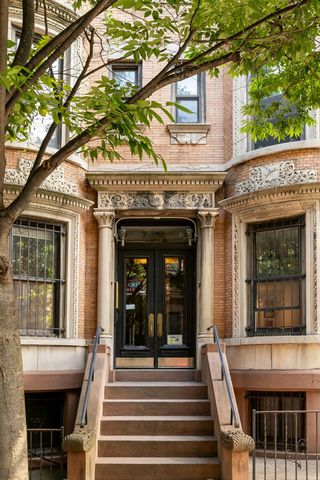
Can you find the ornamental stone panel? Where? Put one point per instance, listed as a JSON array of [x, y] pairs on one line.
[[155, 200], [272, 175], [55, 181]]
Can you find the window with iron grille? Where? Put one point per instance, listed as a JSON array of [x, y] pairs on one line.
[[276, 280], [189, 93], [288, 430], [38, 266]]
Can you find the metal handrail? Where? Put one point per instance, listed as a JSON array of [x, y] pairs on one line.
[[83, 419], [235, 420]]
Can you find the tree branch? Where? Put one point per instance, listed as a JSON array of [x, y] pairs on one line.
[[249, 28], [155, 81], [66, 105], [27, 33], [44, 170], [53, 50]]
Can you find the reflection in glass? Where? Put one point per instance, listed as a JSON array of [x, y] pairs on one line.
[[188, 87], [277, 252], [136, 300], [41, 124], [186, 117], [174, 298], [123, 77]]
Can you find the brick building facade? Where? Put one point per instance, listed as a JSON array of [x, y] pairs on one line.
[[157, 258]]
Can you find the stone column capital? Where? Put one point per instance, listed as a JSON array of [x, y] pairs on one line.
[[208, 217], [105, 218]]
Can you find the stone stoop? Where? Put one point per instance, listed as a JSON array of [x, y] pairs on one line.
[[156, 425]]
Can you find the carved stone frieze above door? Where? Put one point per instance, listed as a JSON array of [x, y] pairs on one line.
[[155, 200]]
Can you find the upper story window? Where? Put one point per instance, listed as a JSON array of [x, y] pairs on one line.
[[38, 267], [41, 124], [127, 74], [276, 277], [267, 142], [190, 94]]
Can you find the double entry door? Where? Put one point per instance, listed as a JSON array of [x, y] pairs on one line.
[[155, 308]]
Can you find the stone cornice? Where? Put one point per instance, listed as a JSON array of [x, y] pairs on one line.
[[59, 15], [157, 181], [302, 195], [47, 196]]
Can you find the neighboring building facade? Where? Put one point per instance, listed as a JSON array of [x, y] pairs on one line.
[[229, 236]]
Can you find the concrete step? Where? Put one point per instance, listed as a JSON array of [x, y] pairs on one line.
[[157, 390], [156, 407], [157, 425], [156, 446], [156, 375], [157, 468]]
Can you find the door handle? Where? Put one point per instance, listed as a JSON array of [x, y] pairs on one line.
[[151, 324], [159, 324]]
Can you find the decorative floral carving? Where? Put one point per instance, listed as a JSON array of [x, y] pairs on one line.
[[235, 278], [105, 218], [56, 212], [188, 133], [315, 266], [239, 100], [275, 175], [208, 217], [55, 181], [156, 200]]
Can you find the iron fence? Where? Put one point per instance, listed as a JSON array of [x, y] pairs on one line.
[[287, 445], [46, 459]]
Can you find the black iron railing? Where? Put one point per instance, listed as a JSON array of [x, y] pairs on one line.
[[83, 418], [287, 444], [225, 376], [46, 458]]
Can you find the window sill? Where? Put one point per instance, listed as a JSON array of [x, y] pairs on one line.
[[51, 341], [188, 133]]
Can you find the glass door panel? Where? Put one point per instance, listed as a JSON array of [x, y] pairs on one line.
[[136, 308], [174, 293]]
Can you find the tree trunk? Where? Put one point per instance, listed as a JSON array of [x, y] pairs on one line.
[[13, 438]]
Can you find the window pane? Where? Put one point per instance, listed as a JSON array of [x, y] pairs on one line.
[[123, 77], [184, 117], [174, 296], [188, 87], [278, 294], [277, 252], [266, 102], [40, 124]]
